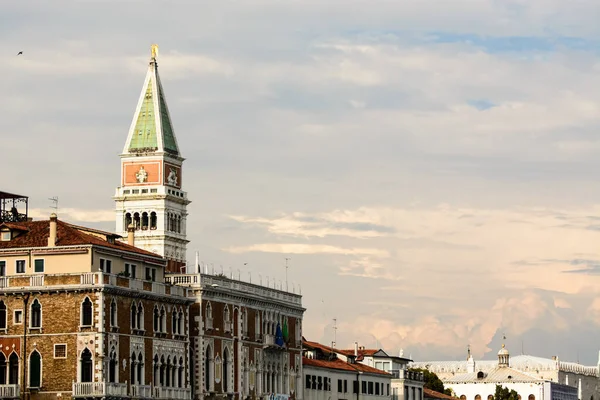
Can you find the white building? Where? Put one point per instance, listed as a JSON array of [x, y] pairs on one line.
[[406, 385], [531, 377], [329, 377], [150, 197]]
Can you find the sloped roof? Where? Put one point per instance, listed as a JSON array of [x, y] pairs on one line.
[[151, 129], [432, 394], [35, 234], [342, 365], [496, 375]]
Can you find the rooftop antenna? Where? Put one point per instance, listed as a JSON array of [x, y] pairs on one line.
[[54, 205], [286, 271], [334, 332]]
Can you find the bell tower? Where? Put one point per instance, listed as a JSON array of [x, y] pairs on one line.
[[151, 196]]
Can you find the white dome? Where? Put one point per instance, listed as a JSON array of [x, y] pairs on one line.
[[503, 351]]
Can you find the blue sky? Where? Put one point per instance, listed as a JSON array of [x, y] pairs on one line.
[[430, 167]]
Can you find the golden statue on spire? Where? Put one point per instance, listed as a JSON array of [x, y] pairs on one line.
[[154, 50]]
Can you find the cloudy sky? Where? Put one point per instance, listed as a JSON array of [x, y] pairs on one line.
[[430, 167]]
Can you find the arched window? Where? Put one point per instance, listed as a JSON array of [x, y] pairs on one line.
[[226, 370], [178, 224], [36, 315], [180, 373], [163, 370], [226, 319], [132, 368], [174, 322], [133, 315], [86, 312], [3, 369], [156, 319], [136, 221], [169, 222], [490, 397], [531, 397], [163, 319], [209, 317], [463, 397], [140, 316], [113, 313], [180, 325], [208, 369], [145, 220], [477, 397], [156, 371], [86, 366], [153, 220], [140, 369], [13, 369], [113, 366], [2, 315], [128, 220], [35, 369]]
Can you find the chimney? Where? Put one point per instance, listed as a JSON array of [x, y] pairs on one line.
[[356, 349], [130, 235], [52, 236]]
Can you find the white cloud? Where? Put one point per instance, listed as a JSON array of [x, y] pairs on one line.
[[299, 248], [75, 214]]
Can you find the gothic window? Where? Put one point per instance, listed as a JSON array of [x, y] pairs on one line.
[[132, 368], [86, 312], [133, 315], [86, 366], [218, 369], [156, 371], [169, 222], [113, 365], [244, 322], [156, 319], [174, 322], [35, 369], [13, 369], [36, 315], [163, 319], [2, 315], [113, 313], [136, 221], [180, 322], [140, 316], [178, 224], [226, 320], [163, 370], [140, 369], [145, 220], [2, 369], [257, 325], [209, 316], [477, 397], [209, 369], [168, 372], [531, 397], [153, 220], [226, 371], [180, 376]]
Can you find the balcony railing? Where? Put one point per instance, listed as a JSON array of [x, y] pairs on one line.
[[172, 393], [141, 391], [18, 282], [406, 374], [99, 389], [10, 391]]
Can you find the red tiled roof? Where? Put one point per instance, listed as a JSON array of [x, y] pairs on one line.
[[432, 394], [342, 365], [35, 234], [361, 353]]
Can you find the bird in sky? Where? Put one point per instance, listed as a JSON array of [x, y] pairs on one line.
[[19, 53]]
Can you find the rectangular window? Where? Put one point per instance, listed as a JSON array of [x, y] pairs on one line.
[[18, 317], [377, 388], [153, 191], [126, 191], [20, 266], [144, 190], [130, 269], [355, 387], [345, 386], [340, 386], [320, 383], [364, 387], [307, 382], [5, 236], [106, 266], [370, 387], [135, 191], [2, 268], [60, 350], [39, 266], [388, 389], [150, 274]]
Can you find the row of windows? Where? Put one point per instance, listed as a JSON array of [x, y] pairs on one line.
[[159, 318], [491, 397], [137, 191], [35, 314], [143, 221], [38, 267], [316, 382], [9, 368]]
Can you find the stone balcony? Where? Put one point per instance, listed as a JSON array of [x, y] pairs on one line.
[[78, 280], [141, 391], [172, 393], [99, 389], [10, 391]]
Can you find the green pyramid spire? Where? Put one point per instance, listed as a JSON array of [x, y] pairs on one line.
[[151, 129]]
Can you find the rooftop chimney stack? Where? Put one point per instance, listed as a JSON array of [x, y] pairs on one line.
[[130, 235], [52, 236], [356, 349]]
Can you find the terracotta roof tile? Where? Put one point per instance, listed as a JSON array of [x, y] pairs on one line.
[[432, 394], [35, 234], [342, 365]]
